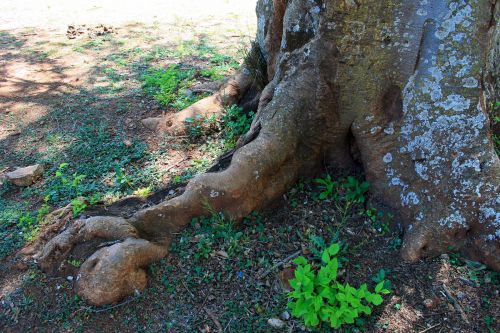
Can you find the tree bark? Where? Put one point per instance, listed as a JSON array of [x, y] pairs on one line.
[[408, 85]]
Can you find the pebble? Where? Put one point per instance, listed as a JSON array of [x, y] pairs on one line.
[[25, 176], [276, 323], [285, 315], [69, 278], [429, 303]]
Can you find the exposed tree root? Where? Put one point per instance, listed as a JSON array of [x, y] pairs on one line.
[[116, 271], [420, 133], [230, 93], [265, 165]]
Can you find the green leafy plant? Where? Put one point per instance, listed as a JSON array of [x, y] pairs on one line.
[[78, 206], [490, 323], [199, 126], [381, 277], [43, 211], [235, 122], [143, 192], [328, 187], [214, 233], [28, 226], [64, 185], [75, 263], [380, 221], [317, 245], [222, 64], [203, 248], [318, 297], [122, 179], [355, 189]]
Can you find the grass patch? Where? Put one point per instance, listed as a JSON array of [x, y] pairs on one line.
[[165, 85]]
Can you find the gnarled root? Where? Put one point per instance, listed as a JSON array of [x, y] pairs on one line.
[[58, 248], [280, 150], [117, 271], [230, 93]]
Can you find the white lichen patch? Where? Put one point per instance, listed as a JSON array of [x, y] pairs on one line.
[[453, 220], [458, 16], [470, 82], [389, 130], [441, 138], [455, 102], [409, 199]]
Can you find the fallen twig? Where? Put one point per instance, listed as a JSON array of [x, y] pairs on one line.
[[279, 264], [105, 309], [188, 290], [429, 328], [209, 313], [200, 90], [115, 306], [455, 303], [214, 319], [176, 164]]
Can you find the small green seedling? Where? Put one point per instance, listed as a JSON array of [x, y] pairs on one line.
[[355, 189], [328, 187], [318, 297], [78, 206]]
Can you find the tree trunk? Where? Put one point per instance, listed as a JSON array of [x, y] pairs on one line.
[[402, 87]]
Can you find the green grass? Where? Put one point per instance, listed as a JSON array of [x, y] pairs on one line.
[[167, 84], [10, 231]]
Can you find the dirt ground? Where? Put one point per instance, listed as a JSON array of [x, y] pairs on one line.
[[77, 98]]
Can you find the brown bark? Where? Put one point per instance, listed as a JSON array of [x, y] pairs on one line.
[[406, 84]]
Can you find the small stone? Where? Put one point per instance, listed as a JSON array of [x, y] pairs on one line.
[[151, 123], [285, 315], [127, 143], [222, 254], [276, 323], [445, 256], [429, 303], [69, 278], [25, 176], [460, 295]]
